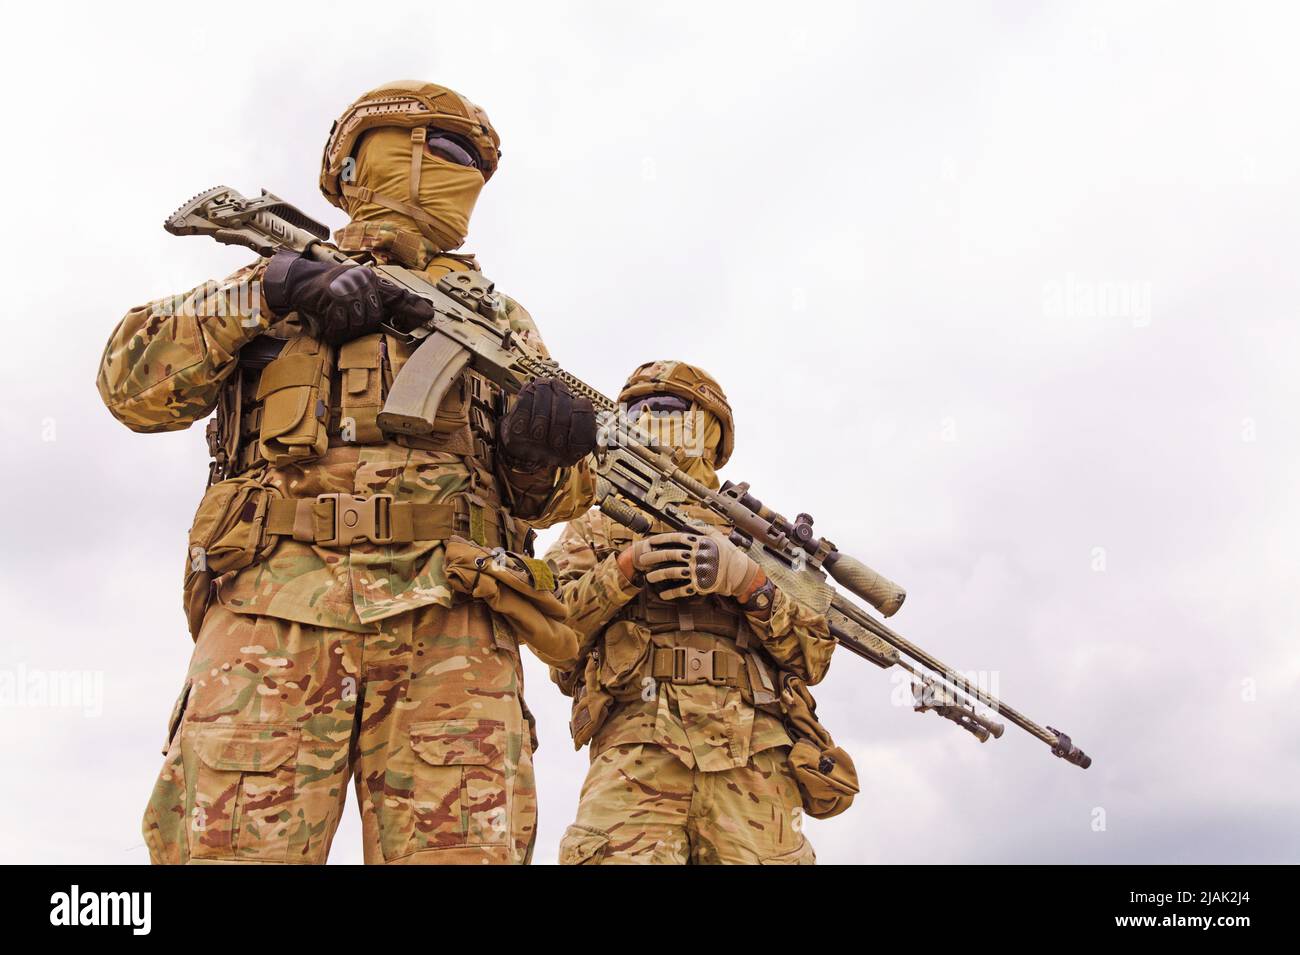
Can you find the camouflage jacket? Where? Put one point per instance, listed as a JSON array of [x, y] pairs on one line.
[[164, 368], [710, 727]]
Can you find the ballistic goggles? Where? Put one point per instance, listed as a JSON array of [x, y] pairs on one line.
[[657, 404], [455, 148]]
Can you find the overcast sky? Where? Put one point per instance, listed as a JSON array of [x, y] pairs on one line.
[[1004, 294]]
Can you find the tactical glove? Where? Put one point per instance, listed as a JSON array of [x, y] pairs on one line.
[[548, 427], [689, 565], [338, 303]]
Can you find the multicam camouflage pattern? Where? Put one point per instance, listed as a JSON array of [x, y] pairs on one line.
[[314, 663], [642, 805], [679, 773], [710, 727], [162, 371], [165, 362], [425, 711]]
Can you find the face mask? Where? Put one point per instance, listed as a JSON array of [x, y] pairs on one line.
[[694, 434], [445, 194]]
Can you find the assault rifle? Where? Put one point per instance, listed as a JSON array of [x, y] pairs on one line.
[[637, 484]]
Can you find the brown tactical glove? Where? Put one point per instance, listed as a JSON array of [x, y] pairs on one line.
[[549, 427], [338, 303], [689, 565]]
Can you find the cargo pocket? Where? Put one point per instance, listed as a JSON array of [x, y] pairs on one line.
[[459, 794], [803, 855], [178, 713], [582, 845], [163, 825], [240, 807]]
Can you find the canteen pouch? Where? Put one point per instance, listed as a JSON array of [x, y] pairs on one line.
[[228, 533], [824, 772], [295, 394]]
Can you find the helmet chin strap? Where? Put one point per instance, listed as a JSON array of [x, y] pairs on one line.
[[427, 224]]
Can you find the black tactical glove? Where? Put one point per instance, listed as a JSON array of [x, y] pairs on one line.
[[548, 427], [338, 303]]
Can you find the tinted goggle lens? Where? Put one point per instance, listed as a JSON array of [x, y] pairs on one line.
[[657, 404], [453, 148]]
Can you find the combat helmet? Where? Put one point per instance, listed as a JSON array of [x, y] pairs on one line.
[[406, 104], [690, 384]]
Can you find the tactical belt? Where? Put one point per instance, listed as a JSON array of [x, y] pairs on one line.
[[338, 520], [687, 666], [684, 616]]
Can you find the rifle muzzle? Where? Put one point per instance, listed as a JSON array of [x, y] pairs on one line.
[[1067, 751]]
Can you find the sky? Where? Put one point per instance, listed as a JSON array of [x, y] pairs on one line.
[[1004, 294]]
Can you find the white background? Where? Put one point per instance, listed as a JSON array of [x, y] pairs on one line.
[[878, 225]]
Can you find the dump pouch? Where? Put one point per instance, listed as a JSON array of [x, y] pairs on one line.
[[228, 533], [825, 773], [295, 390], [520, 589]]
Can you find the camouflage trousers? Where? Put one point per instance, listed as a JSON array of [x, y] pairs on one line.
[[426, 715], [642, 805]]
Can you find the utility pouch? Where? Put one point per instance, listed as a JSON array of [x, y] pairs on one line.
[[295, 391], [825, 773], [591, 703], [361, 389], [228, 533], [625, 654]]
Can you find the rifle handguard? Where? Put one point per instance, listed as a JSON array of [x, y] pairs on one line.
[[881, 592]]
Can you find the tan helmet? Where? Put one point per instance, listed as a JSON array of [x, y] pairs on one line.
[[690, 384], [407, 104]]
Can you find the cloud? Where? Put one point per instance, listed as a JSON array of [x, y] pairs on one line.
[[892, 233]]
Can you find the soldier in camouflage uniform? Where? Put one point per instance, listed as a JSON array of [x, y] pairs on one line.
[[678, 683], [336, 633]]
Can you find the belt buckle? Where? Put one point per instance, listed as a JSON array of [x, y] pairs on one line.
[[692, 666], [359, 518]]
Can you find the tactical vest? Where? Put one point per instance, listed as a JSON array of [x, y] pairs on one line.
[[684, 642], [706, 640], [288, 402]]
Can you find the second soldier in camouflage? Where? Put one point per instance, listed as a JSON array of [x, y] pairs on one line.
[[685, 648]]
